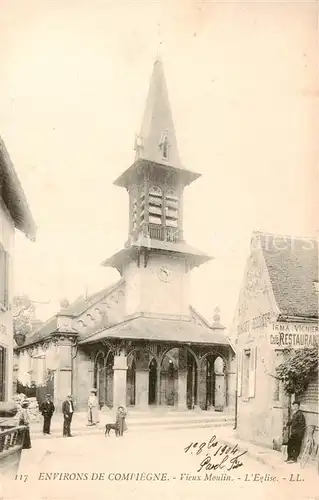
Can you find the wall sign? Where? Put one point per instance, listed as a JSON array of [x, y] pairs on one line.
[[258, 322], [295, 335]]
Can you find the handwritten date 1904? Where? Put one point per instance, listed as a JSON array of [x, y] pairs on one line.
[[211, 444], [230, 454]]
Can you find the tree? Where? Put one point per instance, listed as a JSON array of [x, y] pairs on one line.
[[23, 312], [298, 369]]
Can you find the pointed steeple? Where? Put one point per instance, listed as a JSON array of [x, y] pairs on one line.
[[157, 140]]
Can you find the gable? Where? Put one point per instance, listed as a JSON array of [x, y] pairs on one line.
[[256, 305], [107, 310], [197, 318]]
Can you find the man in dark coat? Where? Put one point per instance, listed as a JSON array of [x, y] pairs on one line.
[[297, 426], [47, 409], [67, 410]]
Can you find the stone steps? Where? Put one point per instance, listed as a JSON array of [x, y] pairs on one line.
[[139, 422]]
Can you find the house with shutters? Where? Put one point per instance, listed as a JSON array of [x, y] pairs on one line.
[[14, 214], [277, 309]]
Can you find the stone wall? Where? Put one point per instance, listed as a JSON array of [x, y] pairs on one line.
[[145, 283]]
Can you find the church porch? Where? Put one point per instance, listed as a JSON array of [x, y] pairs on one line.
[[146, 374]]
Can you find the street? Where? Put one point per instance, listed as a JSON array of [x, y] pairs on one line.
[[146, 466]]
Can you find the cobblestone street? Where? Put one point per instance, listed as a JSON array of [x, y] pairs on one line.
[[101, 463]]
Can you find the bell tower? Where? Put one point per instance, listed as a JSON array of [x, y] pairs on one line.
[[155, 252]]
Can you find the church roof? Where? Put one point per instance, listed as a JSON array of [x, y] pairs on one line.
[[13, 195], [166, 330], [157, 127], [82, 303], [44, 332], [162, 246], [292, 264], [158, 120]]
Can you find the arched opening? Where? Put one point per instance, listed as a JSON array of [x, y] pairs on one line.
[[213, 371], [131, 381], [169, 378], [220, 389], [178, 379], [109, 376], [152, 382]]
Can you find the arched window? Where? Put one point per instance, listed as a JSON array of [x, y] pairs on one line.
[[155, 205], [171, 208]]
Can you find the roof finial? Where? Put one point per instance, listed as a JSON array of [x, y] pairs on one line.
[[216, 316], [160, 43]]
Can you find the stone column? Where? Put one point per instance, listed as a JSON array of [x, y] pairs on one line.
[[141, 388], [158, 385], [63, 373], [201, 387], [219, 391], [119, 380], [182, 380]]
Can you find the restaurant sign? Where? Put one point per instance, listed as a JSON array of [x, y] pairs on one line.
[[294, 335]]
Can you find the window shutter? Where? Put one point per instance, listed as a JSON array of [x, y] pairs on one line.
[[252, 372], [239, 372]]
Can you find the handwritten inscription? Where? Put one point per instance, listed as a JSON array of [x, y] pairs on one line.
[[220, 456]]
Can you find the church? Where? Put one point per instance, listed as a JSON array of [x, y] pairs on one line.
[[140, 342]]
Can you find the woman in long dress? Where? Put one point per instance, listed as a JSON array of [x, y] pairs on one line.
[[25, 420], [120, 420], [93, 408]]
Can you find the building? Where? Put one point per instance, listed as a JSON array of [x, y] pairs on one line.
[[14, 214], [277, 309], [140, 342]]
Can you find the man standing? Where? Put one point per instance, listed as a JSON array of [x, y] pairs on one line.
[[297, 426], [47, 409], [67, 410]]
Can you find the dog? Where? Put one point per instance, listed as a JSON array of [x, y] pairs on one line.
[[109, 427]]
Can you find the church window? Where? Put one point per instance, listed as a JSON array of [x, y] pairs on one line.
[[171, 208], [155, 202]]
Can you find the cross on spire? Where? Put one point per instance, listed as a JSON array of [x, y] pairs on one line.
[[156, 141]]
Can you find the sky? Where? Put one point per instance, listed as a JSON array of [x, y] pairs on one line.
[[242, 81]]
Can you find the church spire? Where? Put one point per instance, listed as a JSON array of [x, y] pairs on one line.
[[157, 140]]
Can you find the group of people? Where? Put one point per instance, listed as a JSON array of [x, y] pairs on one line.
[[93, 414], [47, 410]]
